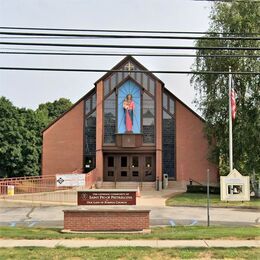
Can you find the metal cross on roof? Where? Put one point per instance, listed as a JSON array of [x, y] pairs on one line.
[[129, 66]]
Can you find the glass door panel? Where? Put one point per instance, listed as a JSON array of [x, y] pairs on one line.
[[124, 174], [149, 168], [135, 169], [110, 169]]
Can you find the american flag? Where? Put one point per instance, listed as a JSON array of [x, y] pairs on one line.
[[233, 103]]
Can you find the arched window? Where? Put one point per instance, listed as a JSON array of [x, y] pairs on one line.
[[139, 89]]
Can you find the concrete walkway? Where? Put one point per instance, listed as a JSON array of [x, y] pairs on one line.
[[129, 243]]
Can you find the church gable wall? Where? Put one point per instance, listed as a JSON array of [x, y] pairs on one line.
[[62, 150], [192, 148]]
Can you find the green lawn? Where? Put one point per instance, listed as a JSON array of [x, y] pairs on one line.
[[128, 253], [200, 199], [180, 232]]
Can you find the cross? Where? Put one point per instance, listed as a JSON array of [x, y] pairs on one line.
[[129, 66]]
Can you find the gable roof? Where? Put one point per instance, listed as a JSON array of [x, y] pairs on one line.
[[122, 62]]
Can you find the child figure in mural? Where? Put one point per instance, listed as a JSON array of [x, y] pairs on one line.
[[129, 107]]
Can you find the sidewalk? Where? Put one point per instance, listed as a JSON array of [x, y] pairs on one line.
[[129, 243]]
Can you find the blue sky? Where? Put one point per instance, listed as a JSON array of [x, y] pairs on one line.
[[29, 89]]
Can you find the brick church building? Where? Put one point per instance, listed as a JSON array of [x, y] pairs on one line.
[[128, 128]]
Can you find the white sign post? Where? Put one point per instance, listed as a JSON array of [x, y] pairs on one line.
[[70, 180], [235, 187]]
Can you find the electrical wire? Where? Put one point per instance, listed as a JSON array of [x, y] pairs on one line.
[[129, 46], [129, 54], [132, 71], [75, 36], [124, 31]]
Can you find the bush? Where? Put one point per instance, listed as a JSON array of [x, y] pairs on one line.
[[202, 189]]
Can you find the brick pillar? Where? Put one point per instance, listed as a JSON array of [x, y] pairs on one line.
[[99, 133], [159, 133]]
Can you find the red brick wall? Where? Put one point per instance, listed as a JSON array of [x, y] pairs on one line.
[[106, 220], [62, 150], [191, 147]]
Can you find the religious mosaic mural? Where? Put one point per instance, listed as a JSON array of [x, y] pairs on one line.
[[129, 109]]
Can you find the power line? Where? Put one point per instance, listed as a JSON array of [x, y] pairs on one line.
[[126, 36], [126, 54], [124, 31], [130, 46], [132, 71], [228, 1]]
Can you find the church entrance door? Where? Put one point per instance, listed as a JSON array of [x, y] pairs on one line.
[[129, 167]]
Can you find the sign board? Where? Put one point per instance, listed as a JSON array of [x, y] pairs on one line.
[[70, 180], [234, 187], [106, 197], [10, 190]]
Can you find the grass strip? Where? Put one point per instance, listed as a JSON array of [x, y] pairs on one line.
[[180, 233], [200, 199], [129, 253]]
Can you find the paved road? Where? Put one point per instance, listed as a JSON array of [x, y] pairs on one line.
[[52, 216]]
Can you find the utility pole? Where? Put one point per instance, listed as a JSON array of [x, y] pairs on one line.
[[230, 122], [208, 218]]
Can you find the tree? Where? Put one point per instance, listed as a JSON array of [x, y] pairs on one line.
[[19, 149], [55, 109], [20, 136], [212, 90]]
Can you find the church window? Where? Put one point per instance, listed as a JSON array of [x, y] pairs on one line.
[[106, 87], [171, 107], [168, 134], [168, 143], [90, 104], [148, 118], [94, 101], [168, 103], [138, 94], [110, 119], [151, 86], [90, 141], [143, 79], [113, 80], [129, 108], [165, 101]]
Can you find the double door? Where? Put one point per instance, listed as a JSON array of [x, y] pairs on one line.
[[129, 167]]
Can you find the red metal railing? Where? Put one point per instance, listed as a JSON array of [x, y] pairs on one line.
[[34, 184], [30, 184]]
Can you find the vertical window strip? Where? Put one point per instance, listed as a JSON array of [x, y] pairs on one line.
[[168, 145]]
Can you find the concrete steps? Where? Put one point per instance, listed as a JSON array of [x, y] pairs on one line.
[[128, 185], [178, 186]]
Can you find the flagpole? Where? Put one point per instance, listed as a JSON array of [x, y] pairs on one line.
[[230, 122]]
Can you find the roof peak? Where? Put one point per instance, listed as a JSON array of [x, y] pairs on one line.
[[122, 62]]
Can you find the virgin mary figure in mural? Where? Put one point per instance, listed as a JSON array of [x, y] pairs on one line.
[[129, 107]]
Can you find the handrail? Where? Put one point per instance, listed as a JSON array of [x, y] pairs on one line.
[[192, 180]]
